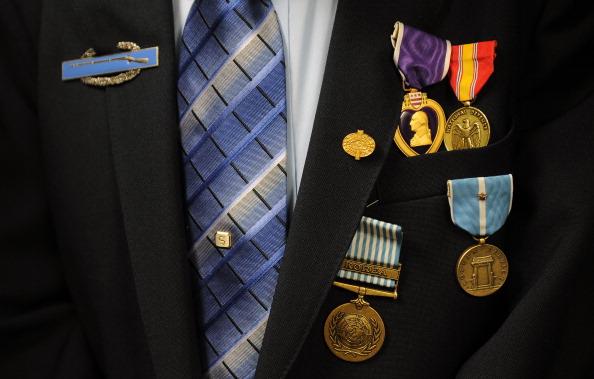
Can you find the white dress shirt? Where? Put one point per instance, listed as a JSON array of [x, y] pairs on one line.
[[306, 26]]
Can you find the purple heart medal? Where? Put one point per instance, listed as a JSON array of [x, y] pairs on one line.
[[422, 60]]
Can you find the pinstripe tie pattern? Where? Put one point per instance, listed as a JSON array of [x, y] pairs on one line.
[[232, 109]]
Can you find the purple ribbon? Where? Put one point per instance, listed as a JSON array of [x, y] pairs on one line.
[[422, 58]]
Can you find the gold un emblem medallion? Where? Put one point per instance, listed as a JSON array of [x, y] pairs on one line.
[[354, 332]]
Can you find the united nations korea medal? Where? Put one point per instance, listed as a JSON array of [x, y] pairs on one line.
[[354, 331], [480, 206]]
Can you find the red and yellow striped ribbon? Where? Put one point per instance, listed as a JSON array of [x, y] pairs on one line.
[[471, 65]]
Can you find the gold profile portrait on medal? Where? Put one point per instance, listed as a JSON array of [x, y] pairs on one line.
[[421, 127], [422, 60]]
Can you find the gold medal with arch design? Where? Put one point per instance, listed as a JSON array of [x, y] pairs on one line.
[[482, 269], [422, 125]]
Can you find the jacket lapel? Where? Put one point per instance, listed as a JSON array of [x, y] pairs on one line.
[[142, 118], [360, 91]]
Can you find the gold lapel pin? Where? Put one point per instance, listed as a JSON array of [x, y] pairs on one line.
[[358, 145]]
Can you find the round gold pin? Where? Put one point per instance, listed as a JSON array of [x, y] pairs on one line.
[[467, 128], [358, 145], [354, 332], [482, 269]]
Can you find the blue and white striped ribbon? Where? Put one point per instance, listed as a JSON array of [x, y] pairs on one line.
[[480, 205], [375, 242]]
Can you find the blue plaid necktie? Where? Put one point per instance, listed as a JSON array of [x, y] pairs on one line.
[[232, 107]]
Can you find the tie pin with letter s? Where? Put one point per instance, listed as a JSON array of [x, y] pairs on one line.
[[127, 65]]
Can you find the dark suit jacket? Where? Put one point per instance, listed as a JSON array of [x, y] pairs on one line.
[[93, 276]]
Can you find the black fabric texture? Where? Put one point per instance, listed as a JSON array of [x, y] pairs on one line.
[[106, 227]]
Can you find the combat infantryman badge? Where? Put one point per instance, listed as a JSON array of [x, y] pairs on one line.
[[471, 66], [355, 331], [480, 206], [422, 60], [127, 64]]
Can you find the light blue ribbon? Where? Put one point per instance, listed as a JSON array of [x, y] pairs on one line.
[[480, 205], [375, 242]]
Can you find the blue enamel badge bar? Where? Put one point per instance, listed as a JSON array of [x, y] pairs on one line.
[[110, 64]]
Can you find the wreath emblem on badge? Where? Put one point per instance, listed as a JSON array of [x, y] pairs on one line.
[[105, 81], [354, 334]]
